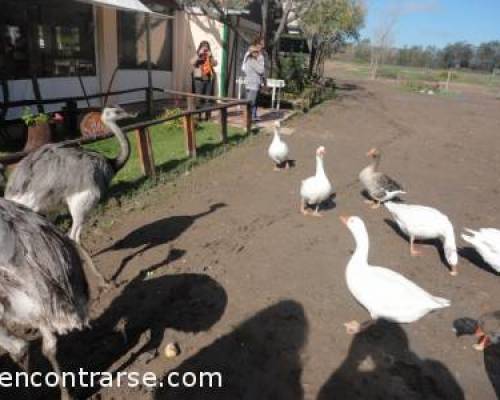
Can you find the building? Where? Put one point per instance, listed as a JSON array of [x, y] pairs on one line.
[[69, 48]]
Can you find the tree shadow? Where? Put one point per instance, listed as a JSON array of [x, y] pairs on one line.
[[434, 242], [259, 359], [133, 325], [155, 234], [471, 255], [381, 366], [492, 366]]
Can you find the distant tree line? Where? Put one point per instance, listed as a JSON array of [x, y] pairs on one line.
[[485, 57]]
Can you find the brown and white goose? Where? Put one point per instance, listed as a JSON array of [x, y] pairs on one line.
[[379, 186]]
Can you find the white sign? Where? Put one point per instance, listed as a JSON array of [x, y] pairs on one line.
[[275, 83]]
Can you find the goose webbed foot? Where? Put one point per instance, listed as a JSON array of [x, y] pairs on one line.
[[354, 327], [374, 204], [484, 341]]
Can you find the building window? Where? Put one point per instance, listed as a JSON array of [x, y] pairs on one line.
[[132, 41], [46, 39]]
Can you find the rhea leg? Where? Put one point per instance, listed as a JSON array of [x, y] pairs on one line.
[[103, 283], [80, 205], [49, 348]]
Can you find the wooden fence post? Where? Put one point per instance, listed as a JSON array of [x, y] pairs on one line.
[[145, 150], [248, 118], [189, 136], [189, 129], [223, 125]]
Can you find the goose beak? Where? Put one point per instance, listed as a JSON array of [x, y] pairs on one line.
[[344, 219], [371, 152]]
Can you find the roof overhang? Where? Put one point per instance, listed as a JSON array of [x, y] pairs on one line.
[[127, 5]]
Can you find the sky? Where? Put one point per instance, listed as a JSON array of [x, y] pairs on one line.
[[436, 22]]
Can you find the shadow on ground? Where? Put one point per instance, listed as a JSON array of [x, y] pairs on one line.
[[492, 366], [380, 365], [155, 234], [132, 326], [471, 255], [259, 359]]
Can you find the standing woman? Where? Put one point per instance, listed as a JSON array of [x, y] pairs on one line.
[[254, 75], [203, 71]]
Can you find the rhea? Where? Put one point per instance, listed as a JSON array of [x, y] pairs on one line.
[[42, 283], [59, 174]]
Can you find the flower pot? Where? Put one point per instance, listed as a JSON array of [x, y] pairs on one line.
[[38, 135]]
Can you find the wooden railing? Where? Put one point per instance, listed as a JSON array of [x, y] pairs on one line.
[[142, 129]]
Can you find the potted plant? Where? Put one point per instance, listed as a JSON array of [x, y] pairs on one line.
[[38, 129]]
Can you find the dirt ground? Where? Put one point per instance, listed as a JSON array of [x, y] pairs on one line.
[[222, 262]]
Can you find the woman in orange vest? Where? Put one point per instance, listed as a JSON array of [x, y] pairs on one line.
[[203, 71]]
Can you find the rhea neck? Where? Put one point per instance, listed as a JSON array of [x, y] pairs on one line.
[[277, 135], [320, 170], [124, 153], [360, 254]]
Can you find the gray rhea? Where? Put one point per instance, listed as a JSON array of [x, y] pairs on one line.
[[57, 174], [42, 282]]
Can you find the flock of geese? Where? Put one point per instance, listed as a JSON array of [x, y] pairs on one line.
[[383, 292], [43, 285]]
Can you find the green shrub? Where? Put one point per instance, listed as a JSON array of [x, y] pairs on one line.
[[170, 112]]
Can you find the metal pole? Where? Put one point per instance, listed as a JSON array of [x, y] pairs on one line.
[[149, 95], [225, 51]]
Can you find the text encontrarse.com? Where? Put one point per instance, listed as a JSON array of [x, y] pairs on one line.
[[84, 378]]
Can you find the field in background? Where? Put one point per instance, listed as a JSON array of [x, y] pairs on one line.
[[353, 70]]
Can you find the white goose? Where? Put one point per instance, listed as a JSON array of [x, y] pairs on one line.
[[424, 223], [315, 189], [278, 150], [486, 241], [384, 293], [379, 186]]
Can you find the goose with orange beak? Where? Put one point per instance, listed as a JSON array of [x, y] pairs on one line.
[[380, 187], [315, 189], [383, 292]]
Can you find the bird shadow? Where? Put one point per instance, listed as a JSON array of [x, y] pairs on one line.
[[380, 365], [434, 242], [364, 193], [258, 359], [287, 164], [154, 234], [328, 204], [471, 255], [132, 328]]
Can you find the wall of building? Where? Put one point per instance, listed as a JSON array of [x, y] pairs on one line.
[[190, 30], [108, 62]]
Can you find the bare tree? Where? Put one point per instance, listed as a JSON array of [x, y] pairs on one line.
[[383, 39]]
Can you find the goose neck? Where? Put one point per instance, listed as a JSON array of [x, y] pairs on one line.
[[320, 170], [360, 255]]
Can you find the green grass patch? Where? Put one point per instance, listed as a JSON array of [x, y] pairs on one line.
[[168, 149]]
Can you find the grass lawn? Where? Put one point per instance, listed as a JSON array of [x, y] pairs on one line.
[[168, 149]]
